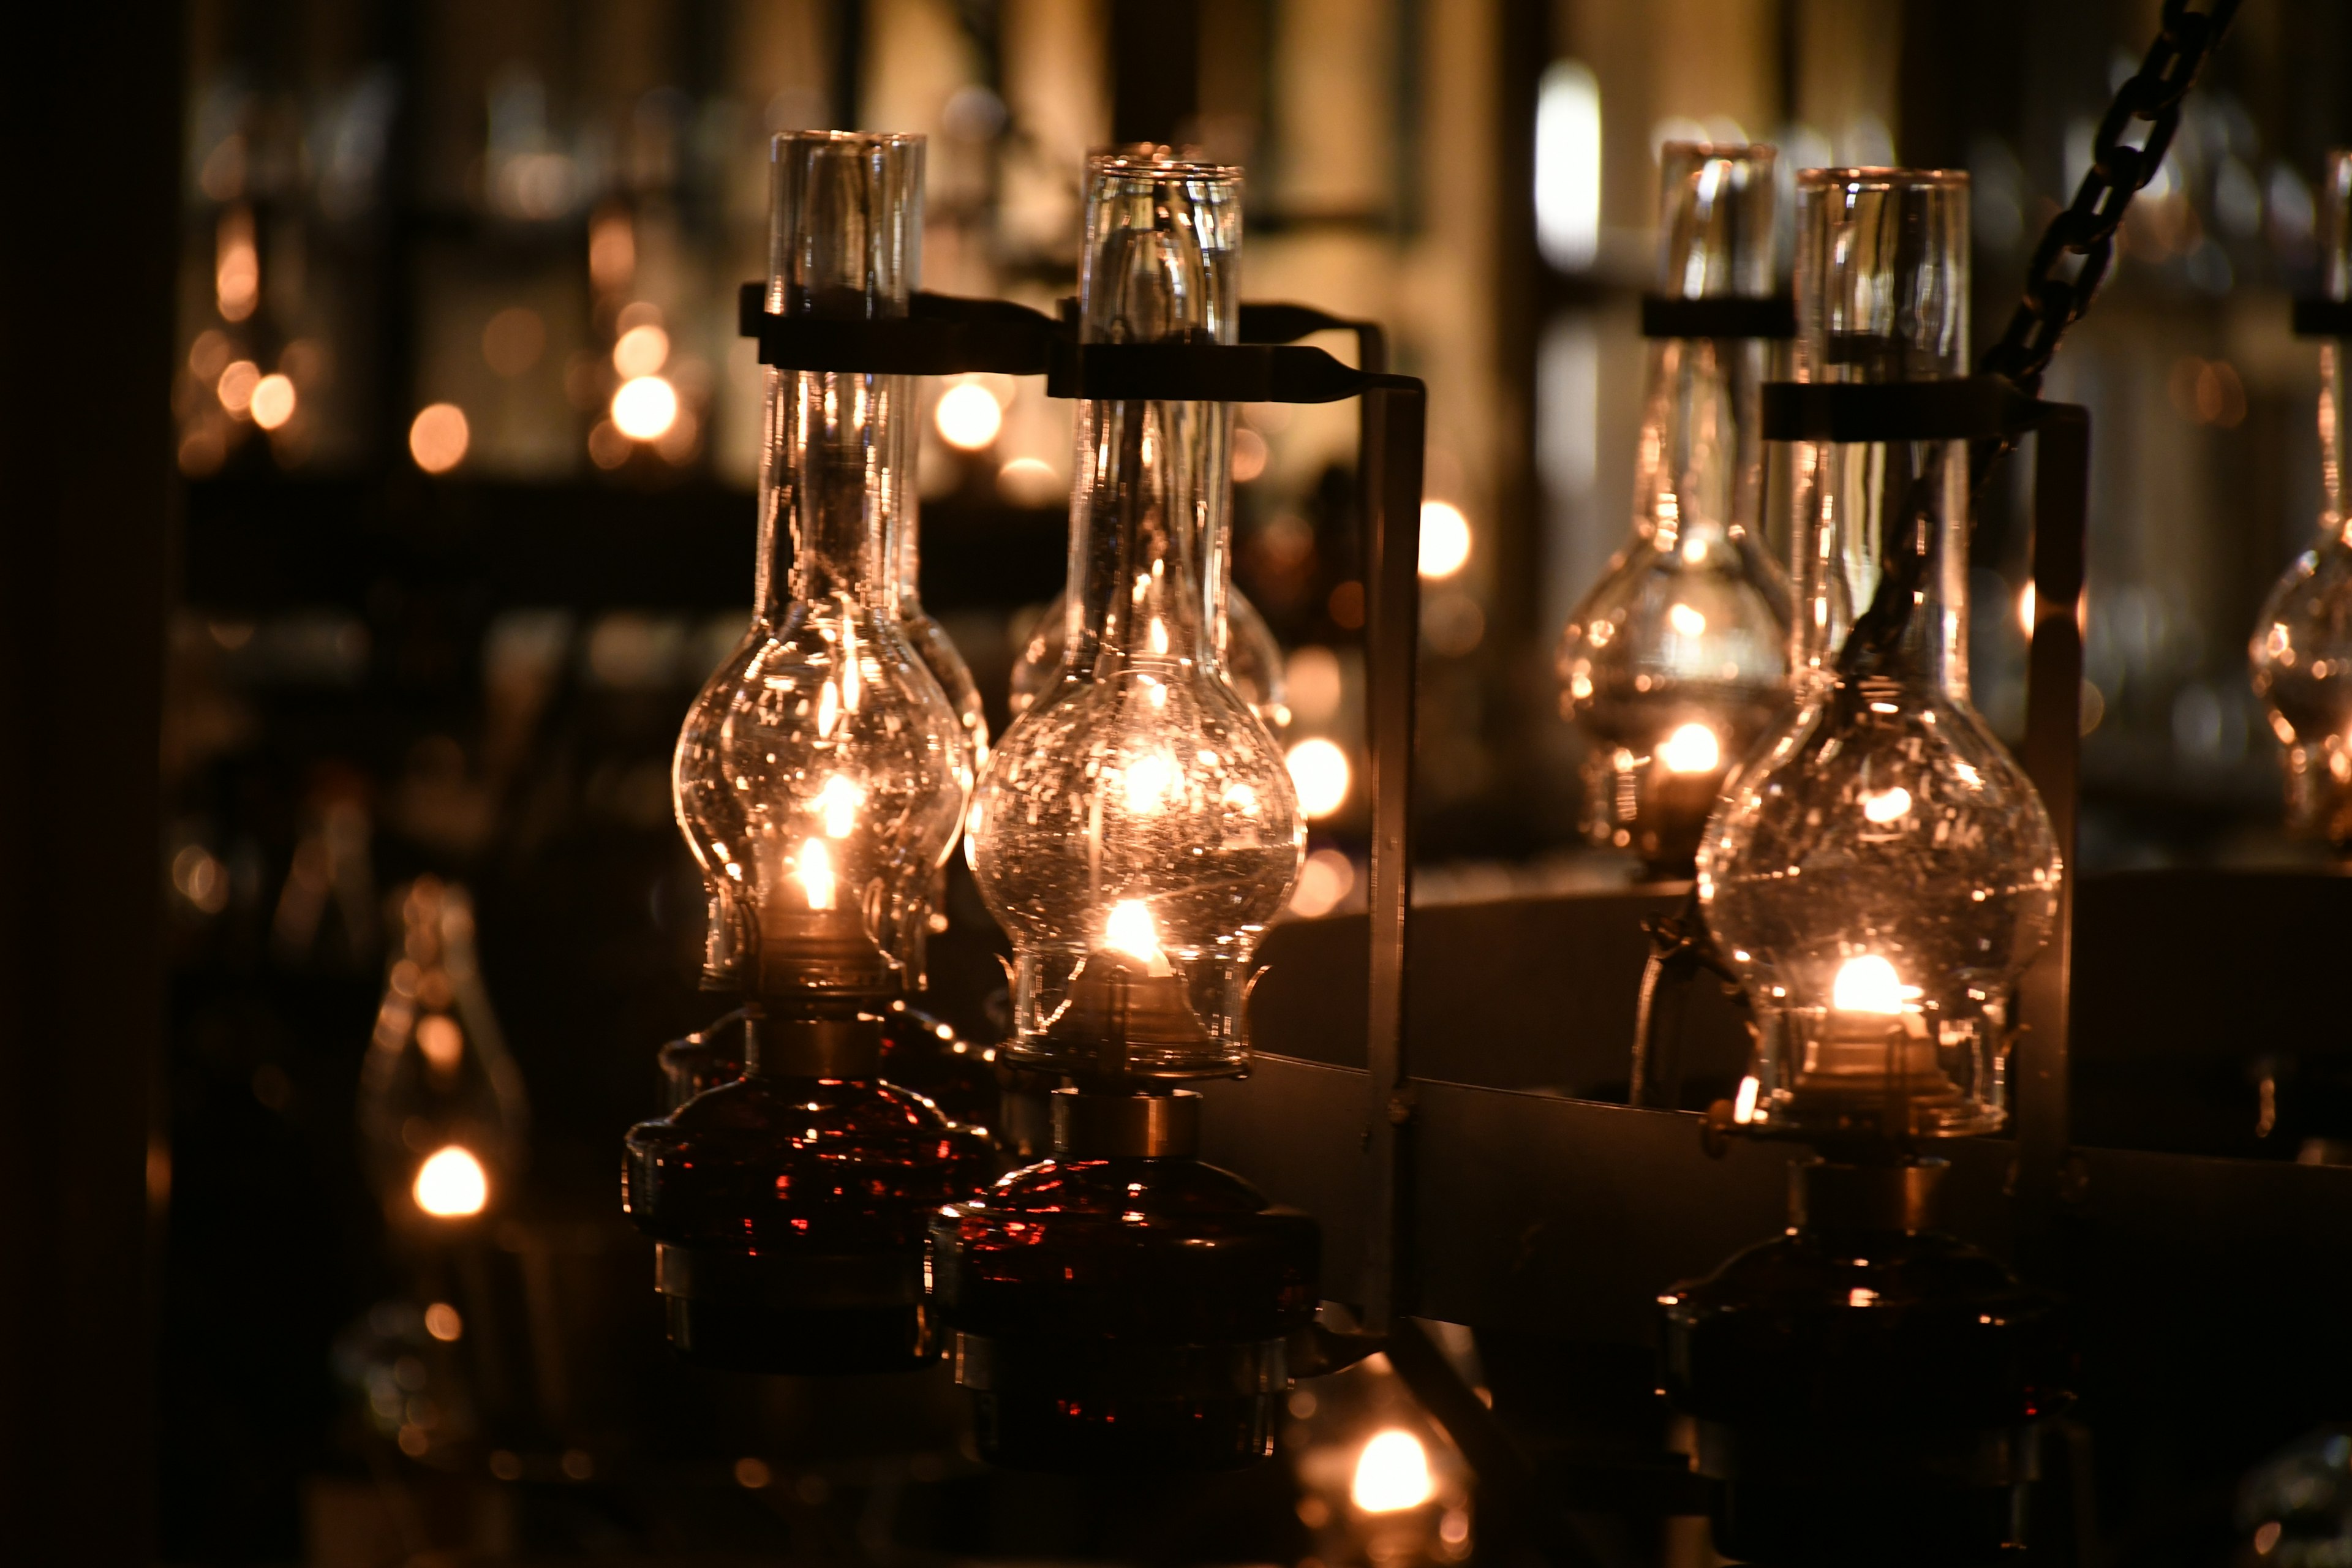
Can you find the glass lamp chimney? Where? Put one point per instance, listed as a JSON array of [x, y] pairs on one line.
[[1675, 663], [1882, 872]]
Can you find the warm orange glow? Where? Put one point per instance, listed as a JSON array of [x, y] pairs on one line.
[[1130, 931], [452, 1185], [442, 1041], [645, 407], [1868, 983], [237, 384], [438, 436], [838, 805], [1692, 749], [1886, 805], [1445, 539], [1029, 482], [968, 416], [1392, 1474], [814, 870], [442, 1322], [272, 403], [641, 351], [237, 266], [1319, 772]]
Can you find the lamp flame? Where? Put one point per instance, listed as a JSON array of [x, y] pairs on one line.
[[1130, 931], [814, 869], [838, 805], [1692, 749], [1868, 983], [452, 1185], [1392, 1474]]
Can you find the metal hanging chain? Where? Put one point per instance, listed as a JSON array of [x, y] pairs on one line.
[[2052, 303]]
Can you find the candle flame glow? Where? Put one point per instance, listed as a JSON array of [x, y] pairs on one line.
[[815, 873], [1130, 931], [1868, 983], [1692, 749], [452, 1185], [1392, 1474]]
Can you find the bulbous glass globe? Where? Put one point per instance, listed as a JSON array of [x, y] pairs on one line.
[[819, 779], [1880, 877]]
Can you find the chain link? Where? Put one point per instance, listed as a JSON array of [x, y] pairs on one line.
[[2052, 302]]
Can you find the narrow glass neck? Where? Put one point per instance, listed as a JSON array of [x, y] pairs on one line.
[[1701, 455], [845, 243], [2336, 282], [1151, 512], [1882, 297]]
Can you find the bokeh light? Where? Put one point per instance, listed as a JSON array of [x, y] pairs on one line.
[[968, 416], [1445, 539], [273, 400], [1319, 772], [1392, 1474], [645, 407], [438, 438], [641, 351], [452, 1185]]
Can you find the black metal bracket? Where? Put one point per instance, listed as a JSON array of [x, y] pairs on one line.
[[1719, 316], [2321, 318]]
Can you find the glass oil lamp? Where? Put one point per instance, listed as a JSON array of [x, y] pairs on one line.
[[1884, 871], [1121, 1303], [2302, 652], [442, 1115], [1880, 877], [1137, 828], [819, 780], [1674, 664]]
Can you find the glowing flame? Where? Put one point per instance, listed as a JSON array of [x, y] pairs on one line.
[[968, 416], [1868, 983], [828, 709], [1692, 749], [1130, 929], [1686, 621], [837, 803], [1392, 1474], [814, 869], [452, 1185]]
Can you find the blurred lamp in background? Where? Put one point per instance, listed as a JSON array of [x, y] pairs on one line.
[[1121, 1304], [1880, 877], [444, 1120], [819, 779], [2302, 651], [1675, 661]]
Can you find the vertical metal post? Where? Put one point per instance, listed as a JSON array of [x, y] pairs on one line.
[[1394, 416], [2061, 461]]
